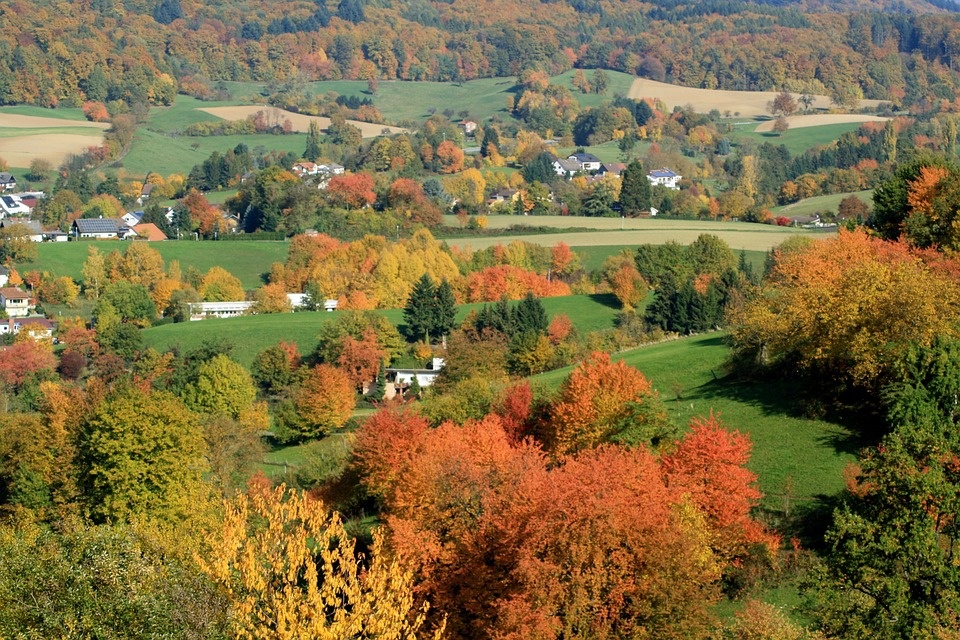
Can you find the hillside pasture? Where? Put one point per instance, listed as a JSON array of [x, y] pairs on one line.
[[248, 261], [797, 140], [820, 119], [798, 460], [254, 333], [818, 204], [746, 104], [617, 232], [300, 122], [25, 136]]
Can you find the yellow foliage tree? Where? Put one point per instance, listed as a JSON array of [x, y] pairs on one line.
[[291, 571]]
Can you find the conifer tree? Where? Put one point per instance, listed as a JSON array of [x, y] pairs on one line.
[[445, 309], [634, 190], [419, 312], [312, 152]]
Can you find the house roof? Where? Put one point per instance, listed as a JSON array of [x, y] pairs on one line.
[[614, 167], [571, 166], [97, 225], [147, 188], [13, 292], [662, 173], [583, 157], [32, 226], [6, 176], [150, 232], [35, 322]]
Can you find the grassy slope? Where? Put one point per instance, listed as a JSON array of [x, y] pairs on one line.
[[811, 453], [800, 139], [41, 112], [246, 260], [252, 334], [809, 206]]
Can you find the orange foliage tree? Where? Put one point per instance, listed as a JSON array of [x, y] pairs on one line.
[[324, 401], [844, 308], [610, 543], [493, 283], [353, 191], [601, 400]]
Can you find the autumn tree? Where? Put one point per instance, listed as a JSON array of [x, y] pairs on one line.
[[784, 104], [362, 359], [624, 280], [275, 368], [603, 401], [219, 285], [450, 156], [844, 308], [290, 570], [141, 455], [353, 191], [324, 401]]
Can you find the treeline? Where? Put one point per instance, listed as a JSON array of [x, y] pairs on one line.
[[147, 51]]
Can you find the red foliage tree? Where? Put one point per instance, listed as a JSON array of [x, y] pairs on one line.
[[23, 359], [96, 111], [361, 359], [353, 191]]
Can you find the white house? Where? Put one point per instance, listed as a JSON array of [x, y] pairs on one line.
[[16, 302], [31, 228], [587, 161], [566, 167], [38, 328], [98, 228], [664, 178], [7, 181], [229, 309], [13, 205], [399, 380], [131, 218]]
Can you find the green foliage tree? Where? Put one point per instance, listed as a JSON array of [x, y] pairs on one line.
[[222, 387], [445, 309], [141, 455], [634, 190], [540, 169], [132, 302]]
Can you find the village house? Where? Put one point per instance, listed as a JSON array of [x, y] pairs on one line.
[[149, 232], [664, 178], [38, 328], [31, 228], [13, 206], [469, 127], [614, 169], [399, 380], [228, 309], [16, 302], [145, 192], [7, 181], [566, 167], [587, 162]]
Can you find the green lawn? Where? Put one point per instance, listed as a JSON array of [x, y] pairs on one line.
[[797, 140], [248, 261], [252, 334], [42, 112], [796, 458], [817, 204]]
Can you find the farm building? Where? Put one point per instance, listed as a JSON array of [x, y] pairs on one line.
[[229, 309]]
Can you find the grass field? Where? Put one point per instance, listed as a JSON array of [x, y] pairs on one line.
[[792, 454], [817, 204], [613, 232], [248, 261], [592, 258], [252, 334], [796, 140]]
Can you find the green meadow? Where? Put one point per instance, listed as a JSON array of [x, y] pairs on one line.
[[818, 204], [796, 140], [798, 460], [248, 261], [252, 334]]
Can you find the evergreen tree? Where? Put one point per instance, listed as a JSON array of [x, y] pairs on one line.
[[659, 311], [167, 11], [634, 190], [445, 309], [351, 11], [419, 311], [530, 316], [379, 386], [414, 391], [312, 152], [540, 169]]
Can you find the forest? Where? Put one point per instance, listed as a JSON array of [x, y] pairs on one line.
[[139, 52]]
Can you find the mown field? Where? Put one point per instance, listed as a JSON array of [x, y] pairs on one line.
[[795, 140], [248, 261], [252, 334]]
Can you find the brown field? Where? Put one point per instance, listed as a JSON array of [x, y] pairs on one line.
[[18, 151], [815, 120], [748, 104], [17, 121], [300, 121], [739, 235]]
